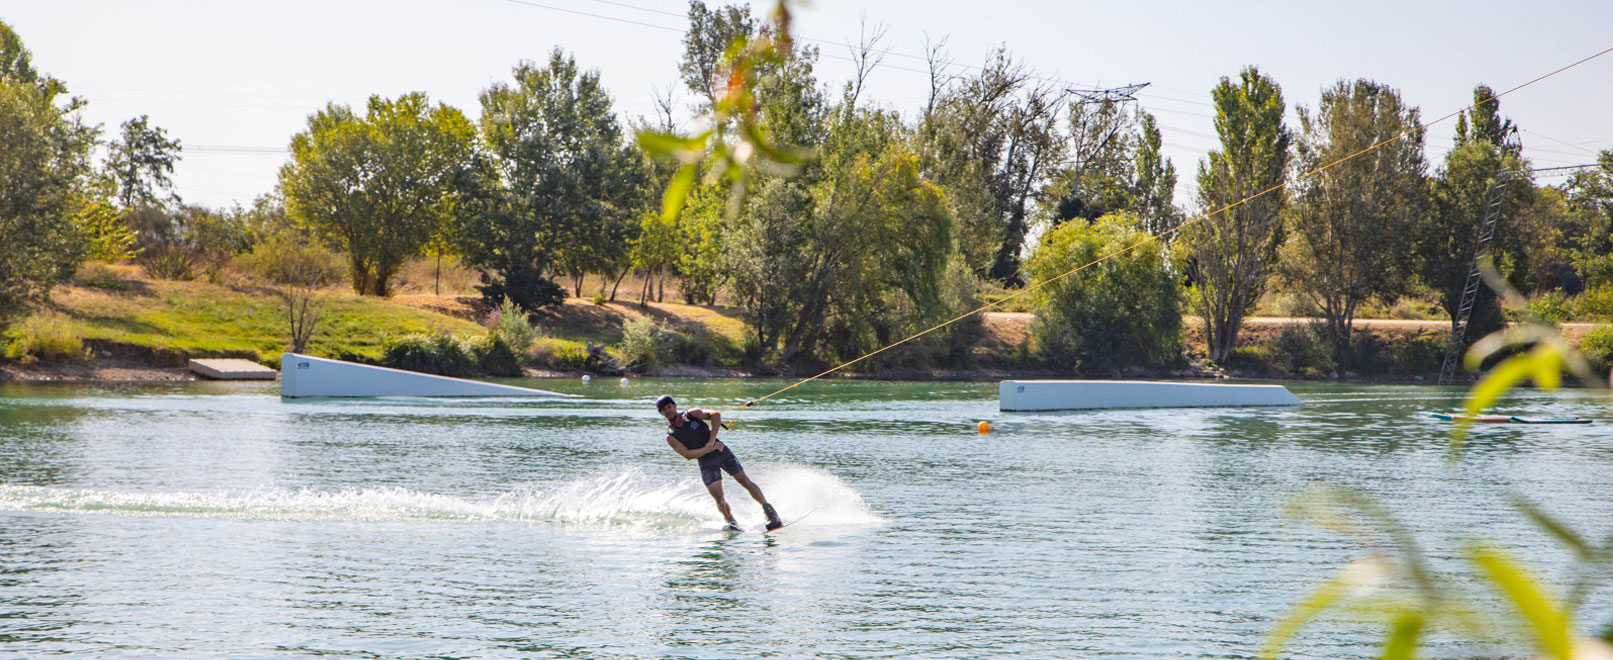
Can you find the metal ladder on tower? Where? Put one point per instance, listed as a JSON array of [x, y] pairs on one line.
[[1470, 291]]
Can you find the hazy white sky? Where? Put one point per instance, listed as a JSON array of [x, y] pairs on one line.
[[233, 80]]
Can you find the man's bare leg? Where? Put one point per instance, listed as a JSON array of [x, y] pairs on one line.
[[755, 490], [715, 488], [773, 520]]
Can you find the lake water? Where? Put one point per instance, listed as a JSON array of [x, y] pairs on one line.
[[207, 520]]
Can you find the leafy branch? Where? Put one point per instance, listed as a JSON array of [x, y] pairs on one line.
[[736, 142]]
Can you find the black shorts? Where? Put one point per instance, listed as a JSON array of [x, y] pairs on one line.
[[713, 473]]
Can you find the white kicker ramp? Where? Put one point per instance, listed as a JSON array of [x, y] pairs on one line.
[[1028, 395], [304, 376]]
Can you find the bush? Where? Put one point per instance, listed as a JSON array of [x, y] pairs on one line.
[[173, 244], [1595, 303], [99, 276], [167, 262], [37, 340], [512, 326], [1123, 312], [1421, 354], [1597, 347], [439, 353], [1258, 359], [702, 347], [494, 357], [558, 354], [644, 343], [288, 259], [1551, 307], [1301, 349]]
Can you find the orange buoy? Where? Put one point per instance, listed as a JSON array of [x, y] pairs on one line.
[[985, 426]]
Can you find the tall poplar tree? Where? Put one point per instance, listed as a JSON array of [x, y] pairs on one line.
[[1154, 185], [1234, 246], [1445, 240]]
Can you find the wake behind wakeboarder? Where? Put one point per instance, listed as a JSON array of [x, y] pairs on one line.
[[693, 434]]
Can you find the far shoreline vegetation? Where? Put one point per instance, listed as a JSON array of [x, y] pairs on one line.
[[806, 228], [115, 322]]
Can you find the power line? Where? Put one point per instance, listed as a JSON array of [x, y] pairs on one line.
[[226, 149], [1564, 167], [842, 58], [1566, 144]]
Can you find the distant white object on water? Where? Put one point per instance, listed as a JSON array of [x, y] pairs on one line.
[[1091, 394], [586, 378], [624, 382]]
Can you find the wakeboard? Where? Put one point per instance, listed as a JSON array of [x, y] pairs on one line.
[[763, 527], [1513, 419], [1550, 420]]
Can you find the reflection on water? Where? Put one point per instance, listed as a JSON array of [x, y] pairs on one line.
[[206, 520]]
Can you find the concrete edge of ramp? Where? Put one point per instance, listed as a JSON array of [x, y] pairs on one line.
[[1033, 395], [306, 376]]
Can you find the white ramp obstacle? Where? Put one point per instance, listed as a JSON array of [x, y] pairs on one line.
[[304, 376], [1028, 395]]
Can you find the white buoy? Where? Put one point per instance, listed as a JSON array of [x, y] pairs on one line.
[[624, 382], [586, 378]]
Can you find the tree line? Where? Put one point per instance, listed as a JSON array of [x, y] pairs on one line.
[[857, 224]]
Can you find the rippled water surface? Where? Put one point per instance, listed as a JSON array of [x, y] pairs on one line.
[[217, 520]]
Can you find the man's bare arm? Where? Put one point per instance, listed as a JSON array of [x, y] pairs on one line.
[[691, 454]]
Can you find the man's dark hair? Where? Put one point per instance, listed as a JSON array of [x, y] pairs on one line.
[[663, 402]]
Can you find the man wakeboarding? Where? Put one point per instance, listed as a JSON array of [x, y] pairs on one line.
[[693, 434]]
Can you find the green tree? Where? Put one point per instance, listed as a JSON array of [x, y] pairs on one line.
[[1340, 252], [1153, 190], [141, 162], [106, 236], [852, 253], [655, 249], [712, 33], [1096, 176], [1590, 197], [1484, 123], [1234, 245], [565, 188], [1459, 193], [699, 248], [45, 177], [1125, 311], [378, 186], [991, 140]]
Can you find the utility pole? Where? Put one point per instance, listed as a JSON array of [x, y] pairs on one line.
[[1085, 142], [1122, 93]]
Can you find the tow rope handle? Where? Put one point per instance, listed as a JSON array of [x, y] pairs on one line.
[[742, 408]]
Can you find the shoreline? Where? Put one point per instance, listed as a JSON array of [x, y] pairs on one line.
[[123, 372]]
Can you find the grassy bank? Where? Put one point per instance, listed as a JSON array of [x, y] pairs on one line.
[[118, 314], [130, 316]]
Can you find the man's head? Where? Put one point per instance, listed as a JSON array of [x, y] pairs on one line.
[[666, 406]]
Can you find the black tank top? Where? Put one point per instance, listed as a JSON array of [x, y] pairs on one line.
[[694, 434]]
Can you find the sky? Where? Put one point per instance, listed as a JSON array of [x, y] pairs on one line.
[[233, 80]]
